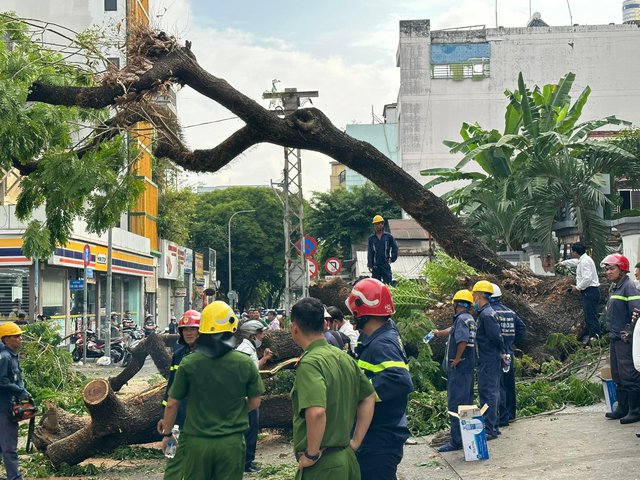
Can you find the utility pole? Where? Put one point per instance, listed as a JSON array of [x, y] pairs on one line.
[[295, 262]]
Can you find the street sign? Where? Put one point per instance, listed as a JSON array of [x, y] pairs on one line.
[[232, 296], [76, 284], [89, 272], [310, 245], [333, 266], [86, 255], [312, 267]]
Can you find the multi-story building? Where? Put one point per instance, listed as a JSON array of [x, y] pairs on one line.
[[452, 76], [382, 135], [337, 179]]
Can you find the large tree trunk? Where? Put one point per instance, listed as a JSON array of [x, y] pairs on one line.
[[276, 411], [112, 423]]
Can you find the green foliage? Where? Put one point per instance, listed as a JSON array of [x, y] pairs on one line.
[[39, 466], [283, 382], [175, 212], [541, 167], [342, 218], [257, 240], [526, 367], [544, 395], [562, 345], [47, 368], [283, 471], [90, 179], [443, 273], [410, 295], [155, 379], [427, 412]]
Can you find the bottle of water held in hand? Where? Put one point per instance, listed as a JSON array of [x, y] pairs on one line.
[[428, 337], [507, 363], [170, 452]]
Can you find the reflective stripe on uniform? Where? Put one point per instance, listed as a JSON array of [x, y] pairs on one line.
[[164, 403], [625, 299], [174, 367], [381, 366]]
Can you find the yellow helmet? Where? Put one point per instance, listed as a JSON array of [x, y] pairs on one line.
[[463, 296], [483, 286], [377, 219], [9, 328], [218, 317]]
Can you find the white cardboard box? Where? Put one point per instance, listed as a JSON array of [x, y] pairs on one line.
[[610, 394], [474, 437]]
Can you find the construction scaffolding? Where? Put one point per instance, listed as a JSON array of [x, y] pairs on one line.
[[295, 266]]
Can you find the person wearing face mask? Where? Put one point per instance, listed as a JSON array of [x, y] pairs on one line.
[[188, 330], [252, 332]]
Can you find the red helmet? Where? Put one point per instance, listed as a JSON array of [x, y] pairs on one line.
[[190, 318], [370, 297], [616, 259]]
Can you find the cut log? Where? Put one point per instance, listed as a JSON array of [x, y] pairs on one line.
[[276, 411], [281, 344], [56, 424], [113, 423]]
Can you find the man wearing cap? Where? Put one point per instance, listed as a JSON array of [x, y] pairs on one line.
[[491, 354], [11, 388], [382, 252], [459, 362], [512, 329]]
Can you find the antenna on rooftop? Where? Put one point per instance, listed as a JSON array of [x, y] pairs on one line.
[[570, 16]]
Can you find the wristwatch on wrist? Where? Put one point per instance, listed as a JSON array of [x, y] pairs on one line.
[[313, 458]]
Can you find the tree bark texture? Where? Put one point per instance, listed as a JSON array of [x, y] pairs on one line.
[[281, 344], [276, 411], [112, 423]]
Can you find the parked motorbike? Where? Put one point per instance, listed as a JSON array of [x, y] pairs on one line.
[[96, 347], [133, 338]]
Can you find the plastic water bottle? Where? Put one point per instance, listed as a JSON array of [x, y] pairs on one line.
[[427, 338], [507, 364], [170, 452]]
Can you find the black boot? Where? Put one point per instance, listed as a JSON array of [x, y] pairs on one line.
[[622, 408], [634, 408]]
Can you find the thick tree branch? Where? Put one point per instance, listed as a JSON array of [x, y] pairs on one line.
[[307, 129]]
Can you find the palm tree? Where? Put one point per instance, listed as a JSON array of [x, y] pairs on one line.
[[543, 162]]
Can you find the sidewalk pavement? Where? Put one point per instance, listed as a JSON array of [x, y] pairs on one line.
[[576, 443]]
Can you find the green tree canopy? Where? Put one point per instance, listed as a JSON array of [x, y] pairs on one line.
[[257, 240], [342, 217]]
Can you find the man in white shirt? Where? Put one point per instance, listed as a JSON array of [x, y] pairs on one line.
[[252, 332], [343, 326], [587, 284]]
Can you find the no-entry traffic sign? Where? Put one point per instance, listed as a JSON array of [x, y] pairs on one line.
[[86, 255], [333, 266], [312, 267]]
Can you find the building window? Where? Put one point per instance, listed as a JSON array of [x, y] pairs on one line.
[[14, 292], [458, 61], [115, 61], [342, 177], [110, 5]]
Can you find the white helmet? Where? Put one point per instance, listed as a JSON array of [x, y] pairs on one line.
[[497, 293], [251, 327]]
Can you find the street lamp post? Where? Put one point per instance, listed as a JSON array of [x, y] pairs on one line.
[[229, 230]]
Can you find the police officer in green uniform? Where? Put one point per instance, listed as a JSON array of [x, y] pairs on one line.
[[329, 393], [223, 385]]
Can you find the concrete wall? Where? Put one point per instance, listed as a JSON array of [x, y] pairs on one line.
[[605, 57]]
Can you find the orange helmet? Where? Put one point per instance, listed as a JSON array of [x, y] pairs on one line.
[[190, 318], [370, 297]]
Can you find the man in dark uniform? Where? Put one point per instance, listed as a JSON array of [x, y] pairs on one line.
[[329, 393], [490, 355], [11, 388], [512, 329], [624, 298], [382, 358], [382, 252], [459, 362]]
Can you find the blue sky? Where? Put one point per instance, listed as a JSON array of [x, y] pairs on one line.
[[344, 49]]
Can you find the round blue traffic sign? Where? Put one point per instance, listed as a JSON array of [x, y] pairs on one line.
[[86, 255], [310, 245]]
